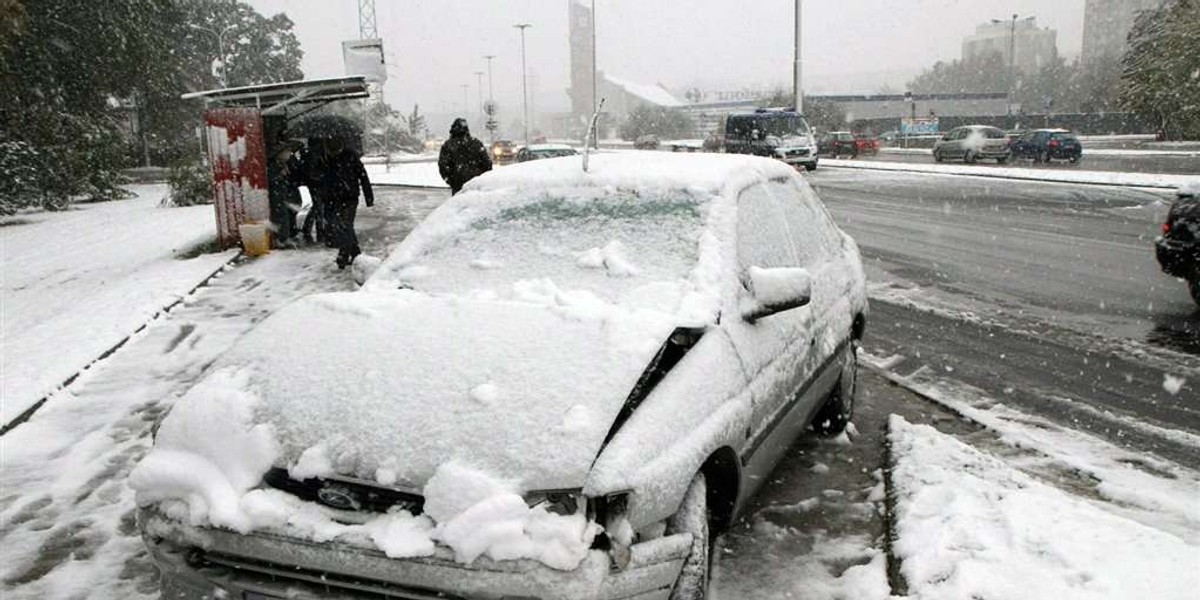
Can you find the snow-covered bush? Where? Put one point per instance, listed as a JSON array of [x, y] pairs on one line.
[[188, 184], [18, 177]]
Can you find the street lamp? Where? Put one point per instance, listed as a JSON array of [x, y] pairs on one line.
[[479, 90], [524, 81], [1012, 56], [797, 66], [490, 108], [220, 48]]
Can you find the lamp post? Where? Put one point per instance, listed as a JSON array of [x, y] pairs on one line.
[[594, 91], [220, 48], [479, 89], [798, 70], [524, 81], [1012, 57], [490, 108]]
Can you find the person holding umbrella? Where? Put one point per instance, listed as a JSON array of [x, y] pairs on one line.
[[344, 177]]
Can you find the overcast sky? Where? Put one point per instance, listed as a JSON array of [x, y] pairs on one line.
[[436, 46]]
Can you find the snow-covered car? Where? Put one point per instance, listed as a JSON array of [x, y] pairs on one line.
[[972, 143], [560, 385]]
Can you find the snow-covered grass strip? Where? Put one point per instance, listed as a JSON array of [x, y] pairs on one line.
[[968, 525], [1138, 180], [1086, 152], [78, 282]]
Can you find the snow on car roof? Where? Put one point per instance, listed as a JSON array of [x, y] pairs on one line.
[[713, 173], [537, 147]]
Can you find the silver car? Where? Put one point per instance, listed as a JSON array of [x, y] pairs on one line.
[[631, 350], [972, 143]]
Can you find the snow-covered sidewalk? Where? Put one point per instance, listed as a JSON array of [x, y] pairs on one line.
[[77, 282], [422, 174], [1187, 152], [1140, 180]]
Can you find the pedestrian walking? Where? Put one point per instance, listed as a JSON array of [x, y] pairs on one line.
[[284, 179], [345, 177], [463, 157], [313, 168]]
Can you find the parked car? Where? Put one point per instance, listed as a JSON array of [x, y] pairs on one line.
[[646, 142], [866, 144], [503, 151], [540, 151], [1045, 145], [1178, 249], [559, 385], [972, 143], [780, 134], [838, 143]]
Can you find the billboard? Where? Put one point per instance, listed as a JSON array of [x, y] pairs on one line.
[[918, 126], [365, 57]]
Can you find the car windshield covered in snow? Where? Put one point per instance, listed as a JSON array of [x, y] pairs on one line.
[[615, 244]]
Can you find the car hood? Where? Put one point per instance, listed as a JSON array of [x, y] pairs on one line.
[[388, 386]]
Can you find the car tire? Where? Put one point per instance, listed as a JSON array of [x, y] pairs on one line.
[[1194, 288], [1044, 157], [1001, 160], [838, 409], [969, 157], [937, 157], [1075, 160], [810, 166], [693, 517]]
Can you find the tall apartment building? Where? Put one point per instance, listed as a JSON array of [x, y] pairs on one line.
[[1106, 23], [1034, 47]]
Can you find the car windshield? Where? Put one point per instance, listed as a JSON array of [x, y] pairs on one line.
[[619, 246]]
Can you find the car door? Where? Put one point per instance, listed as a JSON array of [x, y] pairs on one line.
[[773, 350]]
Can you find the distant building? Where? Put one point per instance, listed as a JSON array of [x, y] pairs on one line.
[[1034, 47], [1106, 24], [620, 95]]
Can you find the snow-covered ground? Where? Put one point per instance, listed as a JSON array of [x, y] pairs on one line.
[[1141, 180], [412, 174], [77, 282], [1024, 509]]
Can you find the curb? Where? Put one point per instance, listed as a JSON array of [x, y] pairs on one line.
[[986, 175], [28, 413]]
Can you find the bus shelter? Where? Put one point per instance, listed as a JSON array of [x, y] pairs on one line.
[[242, 127]]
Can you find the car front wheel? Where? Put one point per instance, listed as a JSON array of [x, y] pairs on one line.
[[1194, 288], [833, 417], [692, 517], [937, 156]]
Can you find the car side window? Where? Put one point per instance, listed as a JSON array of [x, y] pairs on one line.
[[811, 231], [762, 231]]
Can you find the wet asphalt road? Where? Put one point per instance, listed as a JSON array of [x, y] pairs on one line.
[[1048, 296], [1124, 163]]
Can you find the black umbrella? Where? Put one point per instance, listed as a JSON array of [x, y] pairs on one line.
[[328, 127]]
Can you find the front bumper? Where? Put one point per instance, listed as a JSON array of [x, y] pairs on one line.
[[202, 563], [1178, 259], [797, 156]]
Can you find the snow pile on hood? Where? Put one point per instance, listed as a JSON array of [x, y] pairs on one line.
[[208, 452], [204, 470], [970, 526]]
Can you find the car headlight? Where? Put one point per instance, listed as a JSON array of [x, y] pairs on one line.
[[559, 502]]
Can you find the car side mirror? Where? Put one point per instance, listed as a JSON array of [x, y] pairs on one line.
[[773, 291]]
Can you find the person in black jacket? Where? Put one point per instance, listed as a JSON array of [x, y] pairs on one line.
[[313, 166], [342, 181], [462, 157]]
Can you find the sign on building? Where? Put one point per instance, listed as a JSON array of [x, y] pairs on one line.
[[365, 57], [918, 126]]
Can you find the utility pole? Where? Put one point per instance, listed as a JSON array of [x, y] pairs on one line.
[[479, 89], [798, 72], [524, 83], [1012, 58], [594, 92], [490, 107]]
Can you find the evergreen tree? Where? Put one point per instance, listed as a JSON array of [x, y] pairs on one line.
[[1160, 74]]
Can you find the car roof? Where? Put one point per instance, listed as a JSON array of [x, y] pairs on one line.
[[536, 147], [713, 173]]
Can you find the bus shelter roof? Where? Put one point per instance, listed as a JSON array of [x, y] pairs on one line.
[[275, 98]]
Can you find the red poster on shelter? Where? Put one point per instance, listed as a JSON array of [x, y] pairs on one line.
[[237, 154]]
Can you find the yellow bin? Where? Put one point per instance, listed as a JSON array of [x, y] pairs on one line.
[[256, 238]]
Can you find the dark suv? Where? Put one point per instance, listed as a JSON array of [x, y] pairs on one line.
[[781, 134], [1044, 145], [1178, 249]]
